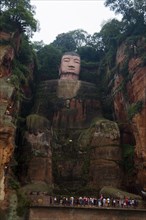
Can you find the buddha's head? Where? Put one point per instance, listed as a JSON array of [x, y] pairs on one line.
[[70, 66]]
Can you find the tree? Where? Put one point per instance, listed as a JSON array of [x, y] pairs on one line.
[[110, 34], [89, 54], [123, 7], [65, 42], [120, 7], [133, 12], [80, 37], [71, 40], [17, 16], [48, 61], [25, 54], [106, 42], [38, 45]]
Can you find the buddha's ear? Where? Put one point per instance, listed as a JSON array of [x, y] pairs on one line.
[[59, 70]]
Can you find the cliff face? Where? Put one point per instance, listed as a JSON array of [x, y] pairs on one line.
[[10, 91], [8, 109], [67, 142], [130, 103], [79, 153]]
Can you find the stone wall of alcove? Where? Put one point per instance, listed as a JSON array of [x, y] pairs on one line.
[[133, 127], [8, 111]]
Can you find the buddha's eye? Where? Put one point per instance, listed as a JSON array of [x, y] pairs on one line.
[[77, 61], [66, 60]]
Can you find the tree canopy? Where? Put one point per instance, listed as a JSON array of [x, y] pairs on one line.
[[98, 49], [133, 12], [48, 62], [71, 40], [17, 15]]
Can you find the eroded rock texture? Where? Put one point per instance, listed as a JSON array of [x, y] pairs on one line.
[[106, 154], [130, 103], [37, 165], [8, 110]]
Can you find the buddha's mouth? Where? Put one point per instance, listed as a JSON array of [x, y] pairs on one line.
[[71, 67]]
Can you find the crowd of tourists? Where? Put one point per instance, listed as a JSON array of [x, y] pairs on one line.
[[43, 198], [95, 202]]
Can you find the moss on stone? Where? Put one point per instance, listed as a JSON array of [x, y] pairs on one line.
[[85, 137], [128, 158], [134, 109], [2, 215], [36, 122], [36, 187], [13, 183], [118, 193], [22, 203], [88, 191]]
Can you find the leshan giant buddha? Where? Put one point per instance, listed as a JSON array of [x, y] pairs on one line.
[[84, 147], [70, 66]]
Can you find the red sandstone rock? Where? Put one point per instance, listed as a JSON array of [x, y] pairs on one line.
[[136, 91]]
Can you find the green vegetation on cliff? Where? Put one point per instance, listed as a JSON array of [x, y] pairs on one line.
[[17, 16], [128, 159], [134, 108], [37, 123]]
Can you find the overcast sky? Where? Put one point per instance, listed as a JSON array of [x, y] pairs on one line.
[[57, 17]]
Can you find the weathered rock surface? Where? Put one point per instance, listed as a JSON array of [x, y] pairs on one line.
[[117, 193], [105, 154], [8, 109], [38, 157], [127, 105]]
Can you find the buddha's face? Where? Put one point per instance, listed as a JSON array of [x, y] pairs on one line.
[[70, 64]]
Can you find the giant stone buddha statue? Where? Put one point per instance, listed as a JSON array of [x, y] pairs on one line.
[[78, 132], [70, 66]]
